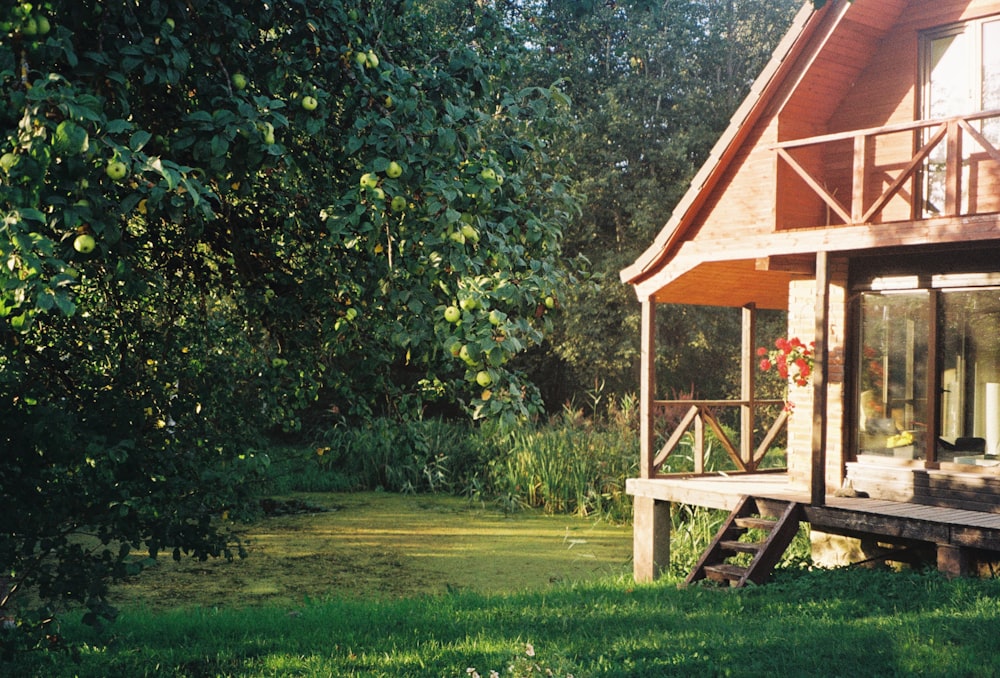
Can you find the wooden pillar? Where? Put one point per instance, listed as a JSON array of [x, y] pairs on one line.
[[952, 561], [953, 173], [651, 517], [650, 538], [747, 386], [647, 389], [819, 377]]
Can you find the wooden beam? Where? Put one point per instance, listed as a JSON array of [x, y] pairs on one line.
[[803, 265], [862, 144], [647, 387], [748, 382], [819, 375], [953, 180]]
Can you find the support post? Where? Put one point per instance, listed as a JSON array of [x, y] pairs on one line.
[[747, 384], [820, 357], [650, 538], [647, 389], [952, 561], [953, 173]]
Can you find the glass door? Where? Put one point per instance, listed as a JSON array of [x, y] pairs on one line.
[[969, 326], [892, 374]]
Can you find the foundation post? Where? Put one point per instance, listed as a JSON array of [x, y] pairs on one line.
[[650, 538]]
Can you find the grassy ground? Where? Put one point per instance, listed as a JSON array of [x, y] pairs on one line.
[[439, 588]]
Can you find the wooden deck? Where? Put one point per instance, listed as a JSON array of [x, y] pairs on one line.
[[952, 531]]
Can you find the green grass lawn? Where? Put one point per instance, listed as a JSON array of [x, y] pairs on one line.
[[807, 623]]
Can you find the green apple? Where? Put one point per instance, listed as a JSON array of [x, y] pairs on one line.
[[452, 314], [466, 357], [116, 169], [388, 101], [483, 378], [470, 233], [309, 103], [369, 180], [394, 170], [360, 58], [372, 59], [43, 25], [488, 174], [550, 302], [398, 203], [84, 243], [469, 304], [378, 193], [269, 135], [352, 15], [169, 24], [496, 317], [7, 161], [239, 81], [457, 237]]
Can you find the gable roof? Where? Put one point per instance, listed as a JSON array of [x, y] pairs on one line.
[[840, 28]]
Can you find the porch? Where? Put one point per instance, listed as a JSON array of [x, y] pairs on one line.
[[959, 537]]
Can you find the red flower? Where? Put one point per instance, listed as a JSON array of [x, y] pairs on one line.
[[791, 359]]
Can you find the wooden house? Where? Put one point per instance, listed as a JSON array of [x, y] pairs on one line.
[[857, 188]]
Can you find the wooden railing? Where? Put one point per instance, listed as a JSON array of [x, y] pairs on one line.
[[929, 135], [702, 413]]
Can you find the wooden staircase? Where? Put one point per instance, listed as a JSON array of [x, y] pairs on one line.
[[779, 523]]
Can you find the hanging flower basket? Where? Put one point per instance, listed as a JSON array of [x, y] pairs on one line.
[[791, 358]]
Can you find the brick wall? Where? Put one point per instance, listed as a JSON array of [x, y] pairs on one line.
[[802, 324]]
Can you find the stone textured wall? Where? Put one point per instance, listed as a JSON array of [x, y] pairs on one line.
[[802, 324]]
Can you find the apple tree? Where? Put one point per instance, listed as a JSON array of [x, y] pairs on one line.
[[222, 222]]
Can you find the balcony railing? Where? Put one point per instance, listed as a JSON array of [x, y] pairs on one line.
[[945, 147], [700, 416]]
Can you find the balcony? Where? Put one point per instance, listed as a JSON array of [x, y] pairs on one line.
[[948, 167]]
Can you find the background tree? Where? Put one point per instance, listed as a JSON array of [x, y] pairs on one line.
[[222, 221], [653, 87]]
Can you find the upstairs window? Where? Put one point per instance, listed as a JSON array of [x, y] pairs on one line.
[[961, 76]]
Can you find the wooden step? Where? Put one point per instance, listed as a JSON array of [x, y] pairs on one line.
[[756, 523], [766, 553], [725, 572], [734, 546]]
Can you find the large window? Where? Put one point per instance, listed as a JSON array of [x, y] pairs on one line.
[[970, 373], [892, 374], [961, 67], [928, 369]]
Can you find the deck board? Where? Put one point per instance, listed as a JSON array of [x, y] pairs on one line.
[[849, 515]]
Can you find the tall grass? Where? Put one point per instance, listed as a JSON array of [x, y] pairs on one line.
[[576, 462], [567, 470]]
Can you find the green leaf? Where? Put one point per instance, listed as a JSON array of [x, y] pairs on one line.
[[139, 140]]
